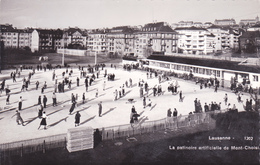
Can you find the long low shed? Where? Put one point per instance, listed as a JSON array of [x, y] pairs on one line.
[[206, 68]]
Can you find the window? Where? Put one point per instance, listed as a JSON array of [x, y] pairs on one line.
[[218, 73], [255, 78]]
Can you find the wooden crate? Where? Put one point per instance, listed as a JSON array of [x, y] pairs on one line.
[[80, 138]]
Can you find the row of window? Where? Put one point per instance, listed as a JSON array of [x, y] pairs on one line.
[[189, 69]]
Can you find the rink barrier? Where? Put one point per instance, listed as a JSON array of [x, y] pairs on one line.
[[128, 130], [42, 144]]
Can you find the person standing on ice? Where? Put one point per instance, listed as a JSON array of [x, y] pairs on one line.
[[100, 108], [104, 85], [77, 119], [43, 121]]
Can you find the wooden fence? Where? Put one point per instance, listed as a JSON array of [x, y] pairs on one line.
[[111, 133], [42, 144]]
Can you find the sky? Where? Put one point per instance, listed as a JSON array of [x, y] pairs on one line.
[[90, 14]]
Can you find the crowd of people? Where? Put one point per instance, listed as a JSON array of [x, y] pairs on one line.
[[63, 82]]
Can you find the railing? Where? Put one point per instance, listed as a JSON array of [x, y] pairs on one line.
[[32, 145], [110, 133]]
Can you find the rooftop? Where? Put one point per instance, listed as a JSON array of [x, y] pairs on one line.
[[221, 64]]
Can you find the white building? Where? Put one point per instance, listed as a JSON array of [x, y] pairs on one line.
[[193, 40], [35, 41]]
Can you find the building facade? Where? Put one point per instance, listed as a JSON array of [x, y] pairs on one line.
[[195, 40], [120, 40], [49, 40], [97, 41], [248, 22], [225, 22], [155, 37]]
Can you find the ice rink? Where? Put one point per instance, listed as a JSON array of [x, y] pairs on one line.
[[113, 112]]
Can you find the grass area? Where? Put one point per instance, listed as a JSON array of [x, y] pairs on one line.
[[56, 59]]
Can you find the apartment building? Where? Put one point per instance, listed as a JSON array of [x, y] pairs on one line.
[[158, 37], [193, 40], [15, 38], [97, 41], [49, 40], [75, 38], [225, 22], [248, 22], [225, 37], [120, 40]]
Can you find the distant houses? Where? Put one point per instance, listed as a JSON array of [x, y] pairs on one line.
[[185, 37]]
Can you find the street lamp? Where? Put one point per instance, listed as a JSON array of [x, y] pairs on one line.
[[63, 56], [95, 57]]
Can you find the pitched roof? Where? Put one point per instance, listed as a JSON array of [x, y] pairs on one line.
[[157, 27], [6, 28], [73, 30], [190, 28], [122, 29]]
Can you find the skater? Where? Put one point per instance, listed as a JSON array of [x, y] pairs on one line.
[[115, 95], [43, 121], [216, 88], [39, 100], [72, 107], [7, 90], [44, 100], [181, 99], [20, 103], [45, 85], [169, 113], [83, 98], [149, 104], [37, 84], [226, 99], [123, 90], [76, 98], [77, 119], [144, 102], [96, 92], [104, 86], [43, 89], [54, 99], [86, 83], [73, 99], [175, 112], [100, 108], [40, 110], [8, 99], [77, 81], [18, 118]]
